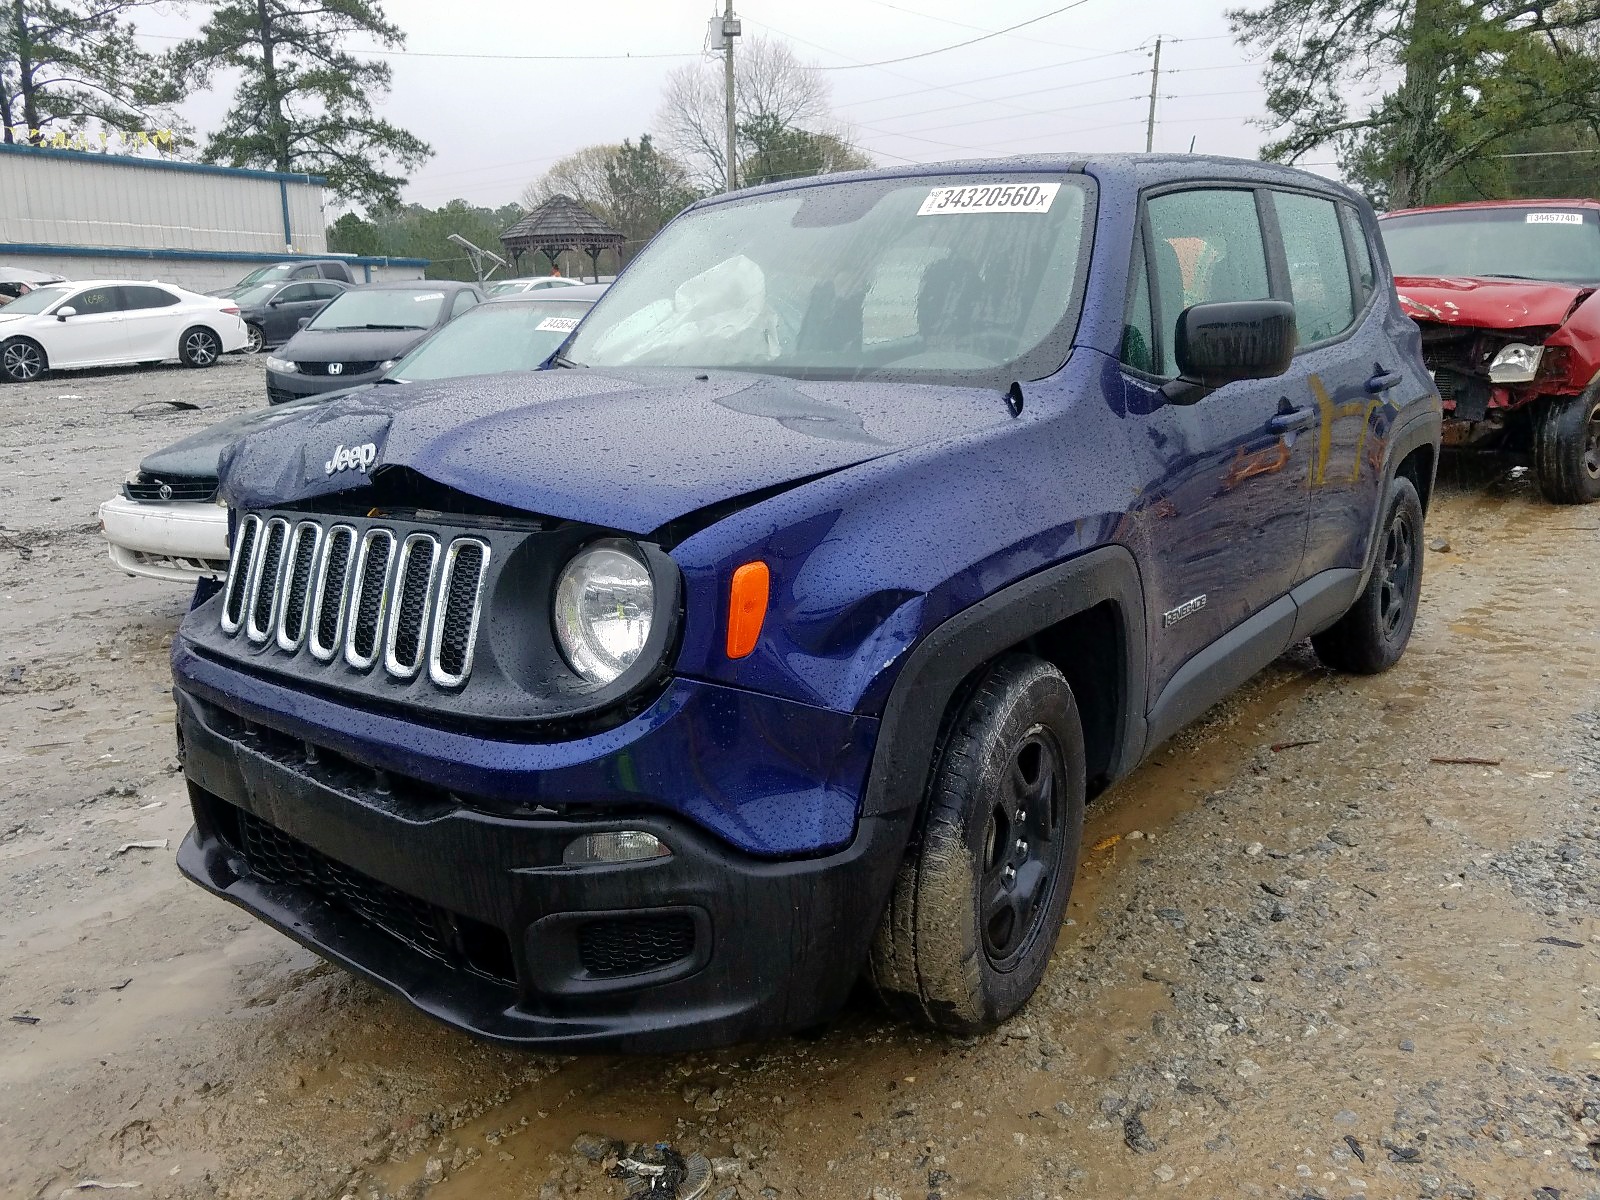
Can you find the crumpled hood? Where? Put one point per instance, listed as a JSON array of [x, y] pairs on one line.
[[199, 453], [1487, 303], [627, 449]]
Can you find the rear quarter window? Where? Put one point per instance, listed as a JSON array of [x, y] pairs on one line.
[[1319, 272]]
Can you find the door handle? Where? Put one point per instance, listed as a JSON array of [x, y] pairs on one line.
[[1294, 419], [1383, 380]]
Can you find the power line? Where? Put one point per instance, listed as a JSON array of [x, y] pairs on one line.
[[168, 37], [922, 112], [954, 90], [1073, 62], [963, 25], [958, 45]]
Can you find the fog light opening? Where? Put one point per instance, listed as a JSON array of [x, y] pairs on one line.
[[625, 845]]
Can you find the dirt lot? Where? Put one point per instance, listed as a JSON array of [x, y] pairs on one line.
[[1303, 958]]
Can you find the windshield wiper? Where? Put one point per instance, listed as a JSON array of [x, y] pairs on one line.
[[561, 360], [1504, 275], [384, 328]]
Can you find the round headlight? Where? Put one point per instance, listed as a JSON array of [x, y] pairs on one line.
[[605, 604]]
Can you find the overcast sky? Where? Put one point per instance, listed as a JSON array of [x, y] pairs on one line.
[[1076, 81]]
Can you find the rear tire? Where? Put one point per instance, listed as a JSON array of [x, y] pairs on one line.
[[22, 360], [199, 347], [1566, 448], [977, 904], [1373, 634]]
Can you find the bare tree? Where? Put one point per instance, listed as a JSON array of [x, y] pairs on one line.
[[773, 89], [580, 175]]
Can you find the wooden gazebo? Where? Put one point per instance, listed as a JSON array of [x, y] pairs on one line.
[[560, 224]]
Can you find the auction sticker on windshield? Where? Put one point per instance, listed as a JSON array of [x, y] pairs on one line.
[[990, 198], [557, 325], [1555, 218]]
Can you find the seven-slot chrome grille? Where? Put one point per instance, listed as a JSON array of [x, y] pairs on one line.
[[364, 596]]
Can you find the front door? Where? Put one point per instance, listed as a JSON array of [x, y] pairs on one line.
[[1222, 509], [294, 302], [93, 335]]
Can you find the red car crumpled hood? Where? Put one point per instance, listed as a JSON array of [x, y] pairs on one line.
[[1487, 303]]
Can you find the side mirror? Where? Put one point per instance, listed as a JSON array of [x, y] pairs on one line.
[[65, 311], [1227, 341], [274, 303], [302, 322]]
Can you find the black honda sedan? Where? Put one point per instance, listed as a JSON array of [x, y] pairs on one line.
[[360, 333]]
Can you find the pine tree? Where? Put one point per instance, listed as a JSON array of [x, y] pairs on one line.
[[66, 67], [1440, 82], [304, 104]]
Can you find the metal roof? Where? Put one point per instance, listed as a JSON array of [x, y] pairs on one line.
[[156, 164]]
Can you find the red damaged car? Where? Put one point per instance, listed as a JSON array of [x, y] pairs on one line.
[[1507, 294]]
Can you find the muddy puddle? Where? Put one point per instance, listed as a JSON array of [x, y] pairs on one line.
[[1303, 958]]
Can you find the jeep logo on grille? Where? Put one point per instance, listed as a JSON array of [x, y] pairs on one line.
[[355, 458]]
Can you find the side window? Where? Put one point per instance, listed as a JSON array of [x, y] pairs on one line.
[[1207, 247], [311, 272], [1319, 274], [463, 301], [1366, 276], [296, 293], [146, 297], [324, 291], [96, 300], [1138, 328]]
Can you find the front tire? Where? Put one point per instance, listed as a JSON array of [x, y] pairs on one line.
[[1566, 448], [1373, 634], [258, 339], [199, 347], [22, 361], [978, 902]]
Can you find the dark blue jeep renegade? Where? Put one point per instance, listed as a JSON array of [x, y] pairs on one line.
[[780, 630]]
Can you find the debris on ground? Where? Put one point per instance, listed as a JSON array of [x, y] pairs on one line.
[[1465, 762], [24, 1019], [99, 1185], [1280, 747], [659, 1172], [160, 408], [148, 844]]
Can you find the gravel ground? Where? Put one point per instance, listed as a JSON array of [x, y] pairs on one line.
[[1303, 958]]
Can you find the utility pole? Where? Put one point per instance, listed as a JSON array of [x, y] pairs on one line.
[[1150, 121], [730, 30]]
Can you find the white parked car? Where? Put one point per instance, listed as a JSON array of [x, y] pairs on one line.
[[531, 283], [114, 322]]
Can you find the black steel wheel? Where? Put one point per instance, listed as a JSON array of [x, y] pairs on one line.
[[1374, 633], [22, 360], [977, 904], [1022, 852], [199, 347], [1566, 448]]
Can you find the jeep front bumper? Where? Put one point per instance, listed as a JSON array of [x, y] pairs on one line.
[[466, 908]]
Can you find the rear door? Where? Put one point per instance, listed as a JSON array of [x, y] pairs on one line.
[[1223, 507], [1349, 363], [151, 322], [93, 335]]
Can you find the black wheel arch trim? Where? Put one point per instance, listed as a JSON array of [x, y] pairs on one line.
[[914, 712], [1424, 429]]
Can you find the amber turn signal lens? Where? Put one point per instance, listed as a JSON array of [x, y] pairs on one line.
[[747, 608]]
